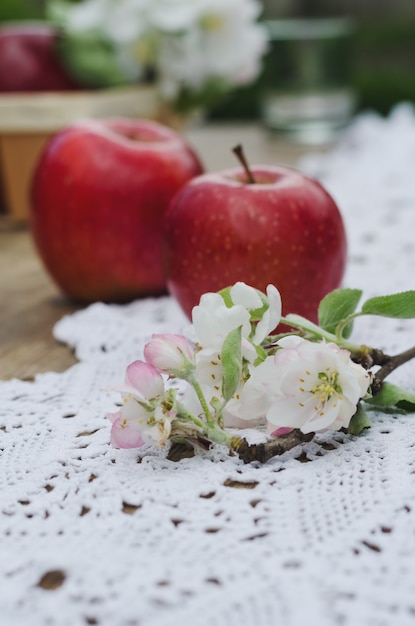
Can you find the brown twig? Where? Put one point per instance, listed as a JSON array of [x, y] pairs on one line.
[[390, 364], [247, 452], [263, 452], [370, 357]]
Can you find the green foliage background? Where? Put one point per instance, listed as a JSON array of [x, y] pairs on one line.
[[12, 10]]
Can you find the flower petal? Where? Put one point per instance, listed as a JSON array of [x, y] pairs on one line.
[[279, 432], [271, 317], [126, 434], [213, 320], [289, 413], [246, 296], [114, 416], [145, 378]]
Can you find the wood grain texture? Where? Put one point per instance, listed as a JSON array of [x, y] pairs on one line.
[[29, 306]]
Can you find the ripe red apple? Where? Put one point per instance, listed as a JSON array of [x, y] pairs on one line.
[[28, 59], [283, 229], [99, 194]]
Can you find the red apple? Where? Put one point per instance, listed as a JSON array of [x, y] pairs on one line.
[[99, 194], [28, 60], [283, 229]]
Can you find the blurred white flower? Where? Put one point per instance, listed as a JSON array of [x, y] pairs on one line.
[[208, 39], [190, 43], [122, 21], [81, 17]]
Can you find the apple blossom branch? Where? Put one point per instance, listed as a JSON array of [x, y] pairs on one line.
[[265, 451], [248, 453], [389, 364], [237, 374]]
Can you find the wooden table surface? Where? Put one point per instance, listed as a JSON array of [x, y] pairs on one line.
[[30, 303]]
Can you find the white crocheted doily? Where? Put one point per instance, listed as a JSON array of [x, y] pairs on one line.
[[324, 535]]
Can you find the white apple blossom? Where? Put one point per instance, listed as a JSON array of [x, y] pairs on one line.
[[147, 411], [255, 397], [174, 16], [81, 17], [218, 314], [305, 385], [214, 318], [253, 300], [188, 42], [208, 39], [121, 21]]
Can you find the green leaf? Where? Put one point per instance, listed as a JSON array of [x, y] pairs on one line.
[[398, 305], [258, 314], [336, 306], [91, 60], [359, 421], [392, 395], [231, 362], [261, 355], [226, 295]]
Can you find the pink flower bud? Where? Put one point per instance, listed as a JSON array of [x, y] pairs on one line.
[[170, 354]]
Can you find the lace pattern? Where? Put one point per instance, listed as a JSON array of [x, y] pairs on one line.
[[323, 535]]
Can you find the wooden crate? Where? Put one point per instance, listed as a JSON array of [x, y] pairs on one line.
[[28, 121]]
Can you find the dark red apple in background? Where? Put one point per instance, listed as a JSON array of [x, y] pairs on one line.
[[99, 194], [283, 229], [28, 60]]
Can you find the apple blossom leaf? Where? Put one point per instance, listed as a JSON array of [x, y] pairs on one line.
[[359, 421], [91, 59], [231, 357], [261, 355], [392, 395], [226, 296], [398, 305], [258, 314], [336, 307]]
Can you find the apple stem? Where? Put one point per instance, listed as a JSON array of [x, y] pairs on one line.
[[239, 152]]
